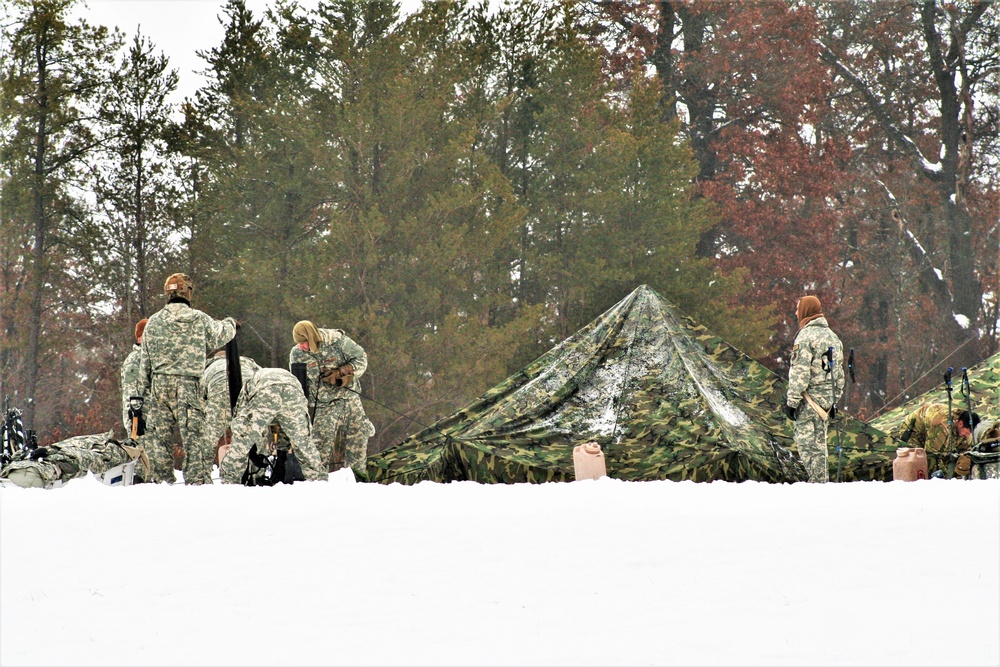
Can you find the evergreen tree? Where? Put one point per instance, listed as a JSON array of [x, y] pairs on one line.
[[130, 235], [54, 76]]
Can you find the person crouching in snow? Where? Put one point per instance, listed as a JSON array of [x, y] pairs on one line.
[[270, 395]]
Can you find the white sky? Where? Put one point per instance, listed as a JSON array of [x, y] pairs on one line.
[[178, 28], [597, 572]]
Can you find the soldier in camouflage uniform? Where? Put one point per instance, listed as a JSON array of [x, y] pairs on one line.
[[215, 392], [270, 395], [334, 364], [71, 458], [130, 375], [928, 427], [175, 344], [813, 391]]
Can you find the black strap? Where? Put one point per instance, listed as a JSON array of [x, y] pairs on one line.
[[234, 372]]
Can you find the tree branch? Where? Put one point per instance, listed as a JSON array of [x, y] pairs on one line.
[[932, 170]]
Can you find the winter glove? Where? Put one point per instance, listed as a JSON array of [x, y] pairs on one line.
[[329, 375], [345, 375], [833, 411], [791, 412], [38, 453]]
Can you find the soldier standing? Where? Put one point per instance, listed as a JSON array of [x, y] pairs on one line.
[[270, 395], [175, 343], [334, 364], [812, 392], [130, 376], [928, 427]]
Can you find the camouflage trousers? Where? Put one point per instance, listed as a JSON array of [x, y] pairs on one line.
[[342, 429], [810, 440], [278, 402], [217, 416], [175, 402]]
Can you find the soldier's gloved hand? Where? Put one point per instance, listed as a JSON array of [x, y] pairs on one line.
[[345, 375], [833, 411], [790, 412], [329, 375], [38, 453]]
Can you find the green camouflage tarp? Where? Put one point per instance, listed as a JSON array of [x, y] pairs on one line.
[[984, 392], [663, 396]]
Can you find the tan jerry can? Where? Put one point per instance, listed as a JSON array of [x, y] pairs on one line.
[[909, 465], [588, 461]]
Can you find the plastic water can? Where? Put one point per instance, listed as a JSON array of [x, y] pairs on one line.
[[588, 461], [910, 464]]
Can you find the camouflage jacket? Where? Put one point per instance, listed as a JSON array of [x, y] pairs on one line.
[[268, 378], [806, 372], [177, 340], [215, 378], [930, 428], [336, 350], [130, 383]]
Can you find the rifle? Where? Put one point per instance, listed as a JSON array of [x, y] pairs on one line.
[[14, 438], [135, 404]]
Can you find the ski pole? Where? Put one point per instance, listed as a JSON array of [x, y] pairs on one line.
[[967, 392], [833, 407], [947, 386], [850, 370]]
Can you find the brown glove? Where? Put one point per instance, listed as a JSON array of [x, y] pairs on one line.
[[345, 375], [329, 375]]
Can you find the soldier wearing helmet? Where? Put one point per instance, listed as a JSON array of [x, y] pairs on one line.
[[175, 344]]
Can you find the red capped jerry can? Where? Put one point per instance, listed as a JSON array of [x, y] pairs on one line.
[[588, 461], [909, 465]]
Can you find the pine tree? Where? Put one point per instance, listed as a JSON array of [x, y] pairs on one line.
[[54, 76]]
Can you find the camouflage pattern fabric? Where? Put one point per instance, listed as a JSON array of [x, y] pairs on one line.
[[932, 431], [984, 395], [342, 430], [271, 394], [809, 373], [663, 396], [340, 426], [175, 403], [214, 387], [810, 435], [129, 384], [175, 344], [178, 339], [985, 452], [69, 459]]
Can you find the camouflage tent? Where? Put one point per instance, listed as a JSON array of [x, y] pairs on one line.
[[983, 390], [663, 396]]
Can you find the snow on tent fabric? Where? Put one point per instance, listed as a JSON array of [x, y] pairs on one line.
[[663, 396], [983, 389]]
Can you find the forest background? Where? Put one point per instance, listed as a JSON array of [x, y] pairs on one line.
[[461, 187]]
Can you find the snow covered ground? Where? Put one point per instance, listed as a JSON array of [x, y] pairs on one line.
[[585, 573]]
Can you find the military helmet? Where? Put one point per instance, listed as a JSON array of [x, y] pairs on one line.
[[178, 284]]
